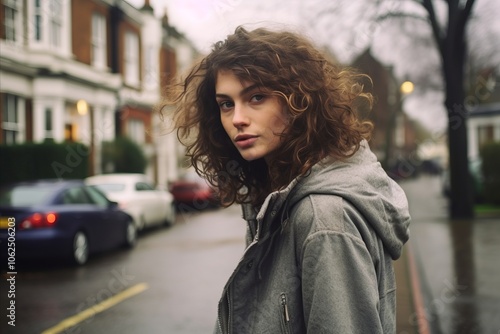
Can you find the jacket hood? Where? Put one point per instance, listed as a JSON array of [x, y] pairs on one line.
[[362, 181]]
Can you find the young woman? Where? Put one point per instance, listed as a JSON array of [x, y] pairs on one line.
[[274, 126]]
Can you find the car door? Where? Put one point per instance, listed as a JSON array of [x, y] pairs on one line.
[[153, 209], [85, 214], [111, 223]]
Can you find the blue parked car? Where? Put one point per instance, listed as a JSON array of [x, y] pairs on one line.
[[64, 219]]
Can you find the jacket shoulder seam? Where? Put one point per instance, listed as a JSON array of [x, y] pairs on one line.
[[333, 233]]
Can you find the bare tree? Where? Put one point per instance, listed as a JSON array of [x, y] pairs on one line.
[[433, 50], [450, 40], [451, 44]]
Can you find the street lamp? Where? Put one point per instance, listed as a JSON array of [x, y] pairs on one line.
[[82, 107], [406, 87]]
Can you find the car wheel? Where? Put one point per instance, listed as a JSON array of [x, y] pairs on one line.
[[80, 251], [130, 235]]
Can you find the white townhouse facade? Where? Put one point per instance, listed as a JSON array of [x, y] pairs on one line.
[[45, 92], [483, 127], [85, 71]]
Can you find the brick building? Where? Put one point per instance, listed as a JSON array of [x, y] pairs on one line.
[[87, 71], [394, 135]]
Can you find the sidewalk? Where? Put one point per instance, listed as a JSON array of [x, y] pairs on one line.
[[449, 275]]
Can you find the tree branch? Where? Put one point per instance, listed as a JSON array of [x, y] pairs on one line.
[[399, 15], [438, 34], [465, 13]]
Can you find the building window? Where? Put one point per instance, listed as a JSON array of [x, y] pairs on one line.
[[135, 130], [49, 134], [485, 134], [11, 18], [131, 59], [12, 126], [47, 22], [38, 20], [98, 40], [55, 22], [69, 132], [150, 68]]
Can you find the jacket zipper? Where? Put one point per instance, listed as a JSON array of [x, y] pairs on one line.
[[226, 289], [285, 307], [286, 315], [228, 313], [219, 321]]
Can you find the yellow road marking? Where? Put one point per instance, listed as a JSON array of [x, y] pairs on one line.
[[92, 311]]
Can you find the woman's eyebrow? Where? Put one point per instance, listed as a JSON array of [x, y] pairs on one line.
[[243, 92]]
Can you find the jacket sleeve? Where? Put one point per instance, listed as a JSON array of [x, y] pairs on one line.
[[339, 285]]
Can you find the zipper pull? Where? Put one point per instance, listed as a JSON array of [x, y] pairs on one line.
[[285, 307]]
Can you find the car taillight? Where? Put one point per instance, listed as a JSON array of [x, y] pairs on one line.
[[39, 220]]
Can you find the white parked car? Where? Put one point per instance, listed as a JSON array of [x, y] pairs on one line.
[[136, 195]]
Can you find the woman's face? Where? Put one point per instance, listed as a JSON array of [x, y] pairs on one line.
[[252, 117]]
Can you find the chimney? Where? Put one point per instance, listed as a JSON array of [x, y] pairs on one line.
[[147, 7]]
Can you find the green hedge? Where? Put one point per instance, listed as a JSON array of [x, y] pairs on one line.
[[490, 156], [123, 156], [48, 160]]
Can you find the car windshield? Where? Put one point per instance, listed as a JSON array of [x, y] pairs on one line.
[[24, 195], [110, 187]]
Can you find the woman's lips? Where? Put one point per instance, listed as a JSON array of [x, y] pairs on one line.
[[245, 141]]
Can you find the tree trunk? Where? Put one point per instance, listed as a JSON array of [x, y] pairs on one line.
[[454, 58], [452, 48], [461, 196]]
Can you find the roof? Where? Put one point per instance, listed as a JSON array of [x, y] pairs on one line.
[[490, 109]]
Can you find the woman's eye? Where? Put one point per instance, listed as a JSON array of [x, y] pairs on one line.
[[257, 98], [225, 105]]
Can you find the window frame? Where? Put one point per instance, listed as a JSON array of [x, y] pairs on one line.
[[55, 22], [38, 21], [131, 58], [12, 25], [98, 41], [150, 68], [12, 130], [48, 118], [136, 130], [485, 134]]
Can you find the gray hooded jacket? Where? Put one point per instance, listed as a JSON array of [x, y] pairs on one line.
[[319, 254]]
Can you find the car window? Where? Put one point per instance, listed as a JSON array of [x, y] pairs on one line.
[[111, 187], [97, 198], [24, 195], [75, 195], [143, 186]]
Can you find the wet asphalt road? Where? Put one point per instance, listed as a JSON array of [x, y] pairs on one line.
[[184, 268], [458, 263]]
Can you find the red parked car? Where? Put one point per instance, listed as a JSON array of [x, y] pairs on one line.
[[191, 192]]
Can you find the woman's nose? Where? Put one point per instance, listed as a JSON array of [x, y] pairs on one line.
[[240, 116]]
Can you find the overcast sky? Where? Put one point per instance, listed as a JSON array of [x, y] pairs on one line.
[[344, 26]]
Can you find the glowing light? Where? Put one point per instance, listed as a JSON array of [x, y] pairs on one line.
[[407, 87], [51, 218], [82, 107]]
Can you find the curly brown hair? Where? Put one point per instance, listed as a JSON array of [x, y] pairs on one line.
[[320, 97]]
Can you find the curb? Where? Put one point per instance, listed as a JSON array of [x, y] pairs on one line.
[[411, 315], [416, 293]]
